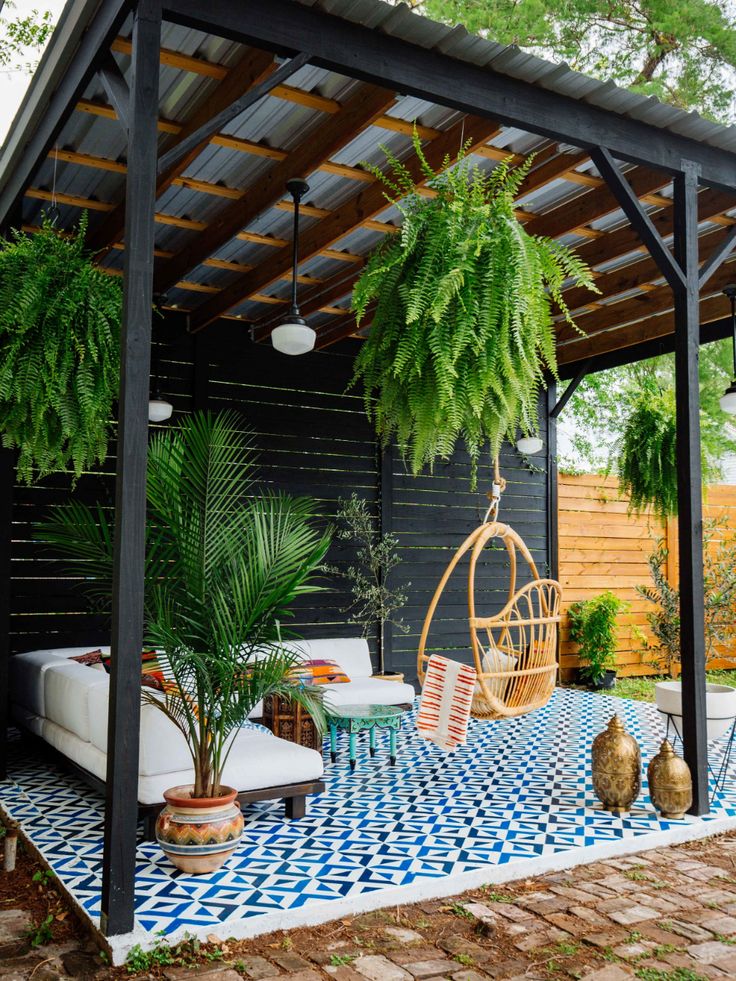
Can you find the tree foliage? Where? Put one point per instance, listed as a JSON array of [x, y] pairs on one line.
[[59, 352], [462, 331], [22, 37], [681, 51]]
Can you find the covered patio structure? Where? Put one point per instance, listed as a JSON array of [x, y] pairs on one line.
[[177, 124]]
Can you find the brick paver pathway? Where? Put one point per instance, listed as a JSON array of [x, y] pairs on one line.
[[664, 915]]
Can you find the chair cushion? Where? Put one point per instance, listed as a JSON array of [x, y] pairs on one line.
[[351, 653], [369, 691], [67, 686], [27, 670]]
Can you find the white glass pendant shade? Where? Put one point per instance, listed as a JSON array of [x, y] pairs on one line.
[[293, 337], [528, 445], [727, 401], [159, 410]]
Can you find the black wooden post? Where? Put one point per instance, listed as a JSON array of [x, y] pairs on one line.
[[386, 503], [7, 481], [689, 485], [123, 731], [552, 489]]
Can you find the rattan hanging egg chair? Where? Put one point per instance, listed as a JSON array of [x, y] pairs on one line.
[[515, 651]]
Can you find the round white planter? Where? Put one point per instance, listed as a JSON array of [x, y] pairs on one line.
[[720, 706]]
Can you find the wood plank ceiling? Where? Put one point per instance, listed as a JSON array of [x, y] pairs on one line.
[[562, 197]]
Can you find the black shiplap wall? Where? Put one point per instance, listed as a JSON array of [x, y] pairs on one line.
[[313, 438]]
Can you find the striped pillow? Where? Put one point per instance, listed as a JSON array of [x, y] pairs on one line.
[[318, 672]]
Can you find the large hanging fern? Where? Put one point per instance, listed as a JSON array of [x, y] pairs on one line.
[[462, 331], [647, 452], [59, 352]]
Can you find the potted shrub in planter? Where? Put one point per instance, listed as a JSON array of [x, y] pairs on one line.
[[374, 601], [663, 651], [593, 629], [224, 564]]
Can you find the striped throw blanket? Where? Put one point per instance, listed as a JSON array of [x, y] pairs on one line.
[[444, 708]]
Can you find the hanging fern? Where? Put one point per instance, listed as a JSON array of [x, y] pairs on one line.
[[462, 331], [59, 352], [647, 452]]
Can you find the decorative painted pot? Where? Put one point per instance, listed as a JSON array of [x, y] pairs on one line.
[[720, 706], [616, 767], [198, 834], [607, 682], [670, 783]]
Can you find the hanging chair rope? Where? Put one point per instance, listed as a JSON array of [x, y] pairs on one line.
[[494, 494]]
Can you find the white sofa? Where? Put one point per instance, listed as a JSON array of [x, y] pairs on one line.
[[65, 703], [353, 656]]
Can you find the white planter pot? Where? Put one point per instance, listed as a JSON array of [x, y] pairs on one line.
[[720, 706]]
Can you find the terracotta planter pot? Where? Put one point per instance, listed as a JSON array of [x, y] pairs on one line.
[[198, 834]]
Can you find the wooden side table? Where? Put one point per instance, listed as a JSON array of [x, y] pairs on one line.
[[288, 720], [357, 718]]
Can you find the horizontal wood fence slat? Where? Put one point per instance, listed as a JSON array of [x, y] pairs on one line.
[[603, 547]]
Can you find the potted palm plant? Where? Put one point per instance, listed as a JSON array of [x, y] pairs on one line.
[[224, 565]]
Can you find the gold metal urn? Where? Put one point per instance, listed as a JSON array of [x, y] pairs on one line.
[[616, 767], [670, 783]]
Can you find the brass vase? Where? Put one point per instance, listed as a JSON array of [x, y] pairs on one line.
[[670, 783], [616, 767]]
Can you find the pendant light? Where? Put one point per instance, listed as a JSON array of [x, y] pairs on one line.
[[528, 445], [159, 410], [294, 335], [727, 401]]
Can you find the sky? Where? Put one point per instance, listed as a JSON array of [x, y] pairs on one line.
[[13, 85]]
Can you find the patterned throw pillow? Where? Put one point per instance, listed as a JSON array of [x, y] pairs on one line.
[[90, 659], [152, 672], [318, 672]]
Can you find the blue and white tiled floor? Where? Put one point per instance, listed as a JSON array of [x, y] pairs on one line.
[[516, 800]]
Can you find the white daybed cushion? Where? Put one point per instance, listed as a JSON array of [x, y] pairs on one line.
[[27, 719], [82, 753], [351, 653], [67, 687], [27, 670], [369, 691], [257, 760]]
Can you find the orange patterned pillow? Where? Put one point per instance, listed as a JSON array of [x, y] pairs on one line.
[[318, 672]]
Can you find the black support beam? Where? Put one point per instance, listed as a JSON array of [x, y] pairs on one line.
[[689, 486], [123, 733], [361, 52], [7, 481], [386, 502], [116, 89], [553, 532]]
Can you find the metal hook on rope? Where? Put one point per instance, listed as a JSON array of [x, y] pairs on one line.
[[494, 494]]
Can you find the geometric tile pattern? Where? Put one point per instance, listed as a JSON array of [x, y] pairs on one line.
[[520, 789]]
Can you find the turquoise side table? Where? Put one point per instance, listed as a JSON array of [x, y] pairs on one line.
[[356, 718]]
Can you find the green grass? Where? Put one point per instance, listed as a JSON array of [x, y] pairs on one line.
[[642, 689]]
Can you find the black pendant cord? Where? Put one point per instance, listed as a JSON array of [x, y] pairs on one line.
[[297, 188]]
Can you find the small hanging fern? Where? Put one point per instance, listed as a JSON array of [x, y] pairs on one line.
[[462, 332], [647, 452], [59, 352]]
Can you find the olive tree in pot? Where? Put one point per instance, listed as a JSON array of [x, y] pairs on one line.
[[663, 650], [593, 629], [224, 565]]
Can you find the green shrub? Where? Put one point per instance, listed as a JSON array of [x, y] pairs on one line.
[[593, 629]]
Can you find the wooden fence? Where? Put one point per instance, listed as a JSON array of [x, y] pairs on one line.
[[603, 547]]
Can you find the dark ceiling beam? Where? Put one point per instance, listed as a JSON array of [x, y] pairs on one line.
[[638, 217], [354, 212], [319, 145], [361, 52], [715, 330], [65, 90], [714, 262], [252, 69], [116, 89]]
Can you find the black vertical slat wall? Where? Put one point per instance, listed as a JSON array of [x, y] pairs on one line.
[[312, 438]]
